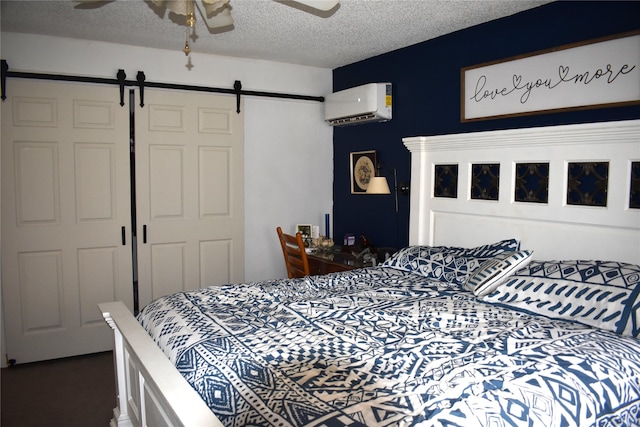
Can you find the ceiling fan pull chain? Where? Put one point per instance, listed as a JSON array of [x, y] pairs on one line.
[[186, 49], [191, 22]]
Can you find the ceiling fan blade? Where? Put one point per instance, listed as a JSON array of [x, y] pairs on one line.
[[214, 5], [179, 7], [216, 13], [90, 4], [324, 5]]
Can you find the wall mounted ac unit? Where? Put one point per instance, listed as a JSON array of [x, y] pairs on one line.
[[360, 104]]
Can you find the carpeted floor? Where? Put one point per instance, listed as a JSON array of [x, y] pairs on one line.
[[77, 391]]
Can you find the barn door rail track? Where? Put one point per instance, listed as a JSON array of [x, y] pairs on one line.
[[141, 83]]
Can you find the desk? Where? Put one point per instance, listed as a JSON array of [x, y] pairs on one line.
[[332, 262]]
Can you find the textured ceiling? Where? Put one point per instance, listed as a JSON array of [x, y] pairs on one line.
[[273, 30]]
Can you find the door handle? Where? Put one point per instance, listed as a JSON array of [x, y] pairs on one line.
[[144, 234], [124, 236]]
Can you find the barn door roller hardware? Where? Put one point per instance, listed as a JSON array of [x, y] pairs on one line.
[[141, 83]]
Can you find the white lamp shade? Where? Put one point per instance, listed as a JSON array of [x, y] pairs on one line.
[[378, 185]]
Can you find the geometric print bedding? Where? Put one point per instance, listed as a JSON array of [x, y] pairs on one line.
[[383, 347], [448, 263], [603, 294], [492, 273]]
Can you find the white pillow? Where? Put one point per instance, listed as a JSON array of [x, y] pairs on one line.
[[494, 272]]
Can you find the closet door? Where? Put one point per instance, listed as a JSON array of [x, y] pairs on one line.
[[190, 192], [65, 204]]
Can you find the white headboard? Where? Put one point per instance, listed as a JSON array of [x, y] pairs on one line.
[[553, 230]]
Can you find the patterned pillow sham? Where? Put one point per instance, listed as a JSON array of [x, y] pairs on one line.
[[494, 272], [447, 263], [604, 294]]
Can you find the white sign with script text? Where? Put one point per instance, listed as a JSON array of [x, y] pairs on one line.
[[593, 74]]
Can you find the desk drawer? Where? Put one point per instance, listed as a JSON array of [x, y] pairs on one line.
[[319, 266]]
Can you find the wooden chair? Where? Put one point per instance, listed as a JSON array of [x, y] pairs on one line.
[[295, 257]]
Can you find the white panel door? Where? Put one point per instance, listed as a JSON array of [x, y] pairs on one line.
[[190, 192], [65, 199]]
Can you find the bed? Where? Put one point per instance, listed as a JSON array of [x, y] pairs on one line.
[[514, 304]]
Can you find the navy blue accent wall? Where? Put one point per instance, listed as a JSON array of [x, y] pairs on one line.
[[426, 100]]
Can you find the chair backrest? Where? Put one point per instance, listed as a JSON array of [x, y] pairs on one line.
[[295, 257]]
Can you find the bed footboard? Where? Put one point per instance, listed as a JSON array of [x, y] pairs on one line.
[[151, 392]]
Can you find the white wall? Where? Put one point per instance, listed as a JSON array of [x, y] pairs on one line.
[[289, 175], [288, 148]]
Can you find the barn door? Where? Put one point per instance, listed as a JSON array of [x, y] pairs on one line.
[[66, 211], [65, 216], [190, 192]]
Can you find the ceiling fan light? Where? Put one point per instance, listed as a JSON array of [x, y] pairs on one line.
[[180, 7], [214, 16], [212, 5]]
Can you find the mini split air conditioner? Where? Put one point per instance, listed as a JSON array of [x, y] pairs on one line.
[[361, 104]]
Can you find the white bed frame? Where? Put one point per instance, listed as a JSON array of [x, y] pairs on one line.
[[554, 230], [152, 393]]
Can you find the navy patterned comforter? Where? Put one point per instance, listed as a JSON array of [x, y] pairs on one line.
[[381, 347]]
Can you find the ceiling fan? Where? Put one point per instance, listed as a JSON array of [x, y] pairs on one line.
[[216, 14]]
